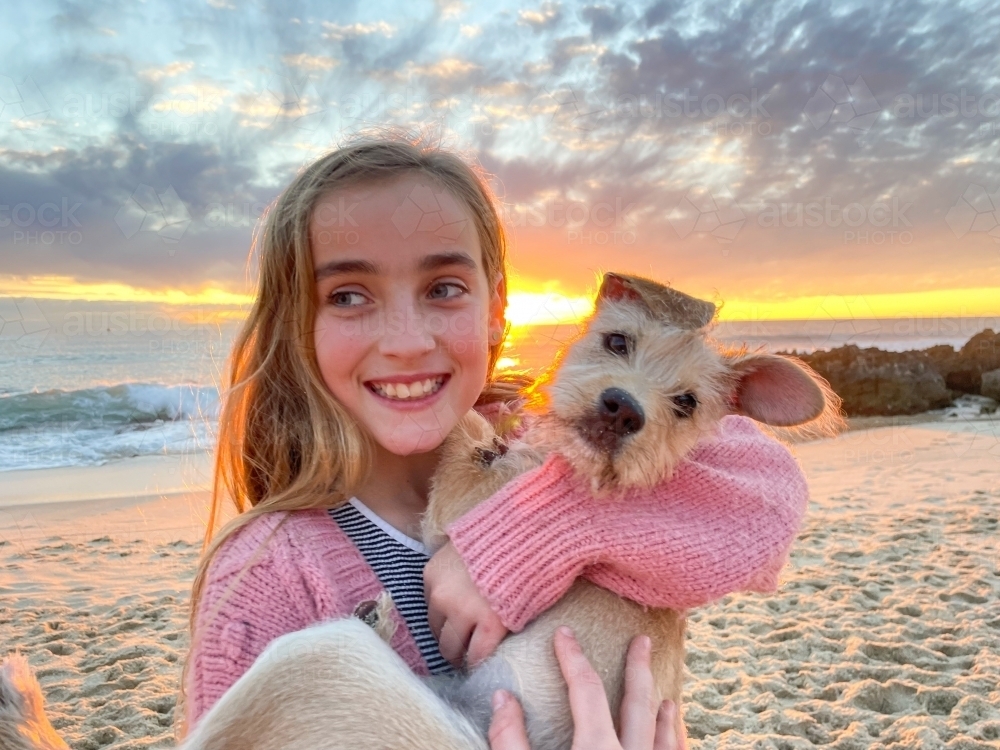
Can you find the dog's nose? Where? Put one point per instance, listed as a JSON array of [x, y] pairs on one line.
[[619, 413]]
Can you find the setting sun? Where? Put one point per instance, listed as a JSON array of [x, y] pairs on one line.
[[546, 308]]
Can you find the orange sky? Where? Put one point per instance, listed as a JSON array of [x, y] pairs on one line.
[[549, 302]]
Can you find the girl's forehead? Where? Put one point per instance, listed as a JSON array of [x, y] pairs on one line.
[[392, 220], [410, 197]]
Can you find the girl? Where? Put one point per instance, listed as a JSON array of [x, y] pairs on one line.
[[378, 320]]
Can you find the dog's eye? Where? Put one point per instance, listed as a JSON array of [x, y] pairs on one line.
[[685, 405], [618, 343]]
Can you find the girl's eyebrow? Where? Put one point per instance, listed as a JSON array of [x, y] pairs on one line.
[[459, 258], [336, 267], [427, 263]]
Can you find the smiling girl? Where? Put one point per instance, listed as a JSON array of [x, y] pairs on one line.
[[377, 323]]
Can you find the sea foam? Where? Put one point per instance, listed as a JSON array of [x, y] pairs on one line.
[[44, 429]]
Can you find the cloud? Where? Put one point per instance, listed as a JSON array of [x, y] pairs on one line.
[[169, 70], [449, 68], [604, 20], [309, 62], [548, 14], [75, 234], [337, 32], [450, 8]]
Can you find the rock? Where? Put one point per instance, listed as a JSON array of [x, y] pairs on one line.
[[962, 370], [944, 359], [990, 386], [873, 382]]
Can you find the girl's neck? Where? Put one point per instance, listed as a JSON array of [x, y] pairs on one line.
[[396, 489]]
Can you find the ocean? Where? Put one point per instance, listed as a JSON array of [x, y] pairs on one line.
[[88, 383]]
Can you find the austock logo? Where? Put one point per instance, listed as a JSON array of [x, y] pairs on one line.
[[976, 211], [22, 104], [836, 101], [423, 210], [839, 320], [291, 103], [145, 210], [712, 212], [22, 323]]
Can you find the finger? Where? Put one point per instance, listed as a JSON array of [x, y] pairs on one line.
[[507, 730], [485, 639], [454, 641], [669, 731], [587, 700], [639, 706], [435, 613], [436, 619]]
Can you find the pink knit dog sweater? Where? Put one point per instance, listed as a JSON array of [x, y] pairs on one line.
[[723, 523]]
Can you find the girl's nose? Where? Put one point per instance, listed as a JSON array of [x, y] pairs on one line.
[[405, 333]]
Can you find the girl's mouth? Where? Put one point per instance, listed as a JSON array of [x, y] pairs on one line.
[[409, 390]]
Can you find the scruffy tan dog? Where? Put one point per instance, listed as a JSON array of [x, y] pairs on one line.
[[625, 404]]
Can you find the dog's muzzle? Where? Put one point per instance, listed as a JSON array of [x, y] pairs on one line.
[[617, 416]]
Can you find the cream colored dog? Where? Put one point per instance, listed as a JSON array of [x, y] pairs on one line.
[[625, 404]]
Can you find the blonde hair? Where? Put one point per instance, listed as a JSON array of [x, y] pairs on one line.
[[284, 442]]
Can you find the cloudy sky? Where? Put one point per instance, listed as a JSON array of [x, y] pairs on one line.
[[791, 159]]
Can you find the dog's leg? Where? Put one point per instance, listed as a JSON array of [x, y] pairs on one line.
[[474, 464], [331, 687], [23, 723]]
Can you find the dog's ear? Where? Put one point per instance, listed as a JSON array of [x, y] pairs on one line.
[[775, 390], [676, 308], [617, 288]]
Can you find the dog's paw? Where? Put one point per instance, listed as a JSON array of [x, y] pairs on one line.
[[486, 456], [377, 614]]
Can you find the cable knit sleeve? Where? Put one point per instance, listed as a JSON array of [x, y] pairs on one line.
[[723, 523], [245, 604]]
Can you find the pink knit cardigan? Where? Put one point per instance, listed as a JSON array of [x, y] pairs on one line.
[[723, 523]]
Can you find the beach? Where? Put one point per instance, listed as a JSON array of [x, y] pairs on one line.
[[885, 632]]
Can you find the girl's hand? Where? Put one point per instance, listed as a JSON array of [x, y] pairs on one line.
[[460, 617], [645, 725]]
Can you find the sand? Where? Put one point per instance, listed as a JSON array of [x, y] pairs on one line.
[[885, 632]]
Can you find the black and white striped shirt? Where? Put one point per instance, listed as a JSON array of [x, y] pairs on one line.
[[398, 562]]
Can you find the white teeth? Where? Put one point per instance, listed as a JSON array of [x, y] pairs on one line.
[[407, 391]]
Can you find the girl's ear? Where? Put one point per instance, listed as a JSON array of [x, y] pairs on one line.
[[775, 390], [497, 324]]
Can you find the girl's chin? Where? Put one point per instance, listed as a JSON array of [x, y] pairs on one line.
[[413, 432], [407, 443]]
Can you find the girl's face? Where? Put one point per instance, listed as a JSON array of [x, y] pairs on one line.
[[405, 311]]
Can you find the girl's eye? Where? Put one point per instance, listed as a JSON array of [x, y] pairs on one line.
[[618, 343], [347, 299], [446, 290]]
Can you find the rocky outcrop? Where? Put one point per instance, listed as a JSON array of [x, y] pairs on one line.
[[963, 370], [980, 354], [873, 382], [991, 385], [944, 360], [876, 383]]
